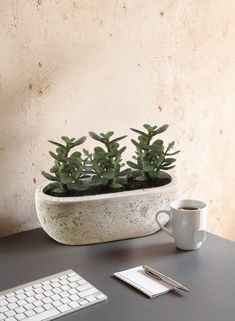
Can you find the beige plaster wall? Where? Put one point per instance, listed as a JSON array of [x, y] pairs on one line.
[[67, 67]]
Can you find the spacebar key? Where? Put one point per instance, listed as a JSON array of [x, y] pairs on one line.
[[43, 316]]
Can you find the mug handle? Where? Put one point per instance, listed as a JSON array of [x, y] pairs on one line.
[[167, 230]]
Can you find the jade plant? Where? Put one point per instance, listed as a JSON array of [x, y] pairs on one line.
[[105, 163], [67, 173], [81, 172], [151, 156]]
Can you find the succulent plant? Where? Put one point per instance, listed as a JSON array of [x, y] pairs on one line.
[[67, 173], [103, 169], [151, 157], [105, 164]]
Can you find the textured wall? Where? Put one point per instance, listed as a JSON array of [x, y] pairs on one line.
[[67, 67]]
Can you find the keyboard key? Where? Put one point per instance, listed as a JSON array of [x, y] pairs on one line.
[[91, 298], [29, 306], [84, 287], [81, 282], [21, 296], [65, 287], [20, 316], [64, 308], [74, 278], [65, 300], [83, 302], [47, 287], [38, 303], [21, 302], [47, 300], [48, 293], [29, 288], [20, 310], [3, 302], [44, 315], [30, 293], [100, 296], [12, 299], [10, 313], [74, 305], [31, 299], [55, 297], [57, 303], [87, 292], [30, 313], [55, 285], [39, 290], [73, 297], [39, 296], [39, 309], [3, 309], [64, 294], [48, 306]]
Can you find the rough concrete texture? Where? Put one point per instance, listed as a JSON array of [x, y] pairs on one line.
[[103, 218], [67, 67]]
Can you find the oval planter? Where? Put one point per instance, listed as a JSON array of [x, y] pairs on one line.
[[102, 218]]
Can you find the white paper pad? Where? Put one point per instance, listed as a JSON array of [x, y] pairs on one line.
[[143, 282]]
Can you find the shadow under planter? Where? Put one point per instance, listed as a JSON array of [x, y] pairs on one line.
[[105, 217]]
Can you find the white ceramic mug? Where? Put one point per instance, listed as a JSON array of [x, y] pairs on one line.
[[189, 219]]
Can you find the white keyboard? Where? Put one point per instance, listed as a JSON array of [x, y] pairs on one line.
[[48, 298]]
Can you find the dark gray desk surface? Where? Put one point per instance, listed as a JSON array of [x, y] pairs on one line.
[[209, 272]]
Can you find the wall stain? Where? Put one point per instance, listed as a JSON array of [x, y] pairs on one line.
[[39, 2]]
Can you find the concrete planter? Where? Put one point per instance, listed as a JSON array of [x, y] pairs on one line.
[[102, 218]]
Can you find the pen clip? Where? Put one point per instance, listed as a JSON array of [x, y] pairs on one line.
[[152, 275]]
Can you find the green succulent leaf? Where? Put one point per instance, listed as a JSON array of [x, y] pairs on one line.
[[66, 139], [161, 129], [167, 167], [117, 139], [133, 165], [135, 142], [58, 144], [116, 185], [141, 178], [95, 136], [171, 154], [78, 142], [139, 132], [65, 179], [125, 172], [148, 127], [109, 173], [48, 176], [148, 167]]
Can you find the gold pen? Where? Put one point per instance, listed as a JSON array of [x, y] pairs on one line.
[[164, 278]]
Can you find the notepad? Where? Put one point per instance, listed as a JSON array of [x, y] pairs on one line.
[[143, 282]]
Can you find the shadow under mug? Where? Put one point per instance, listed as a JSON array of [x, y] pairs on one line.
[[188, 219]]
